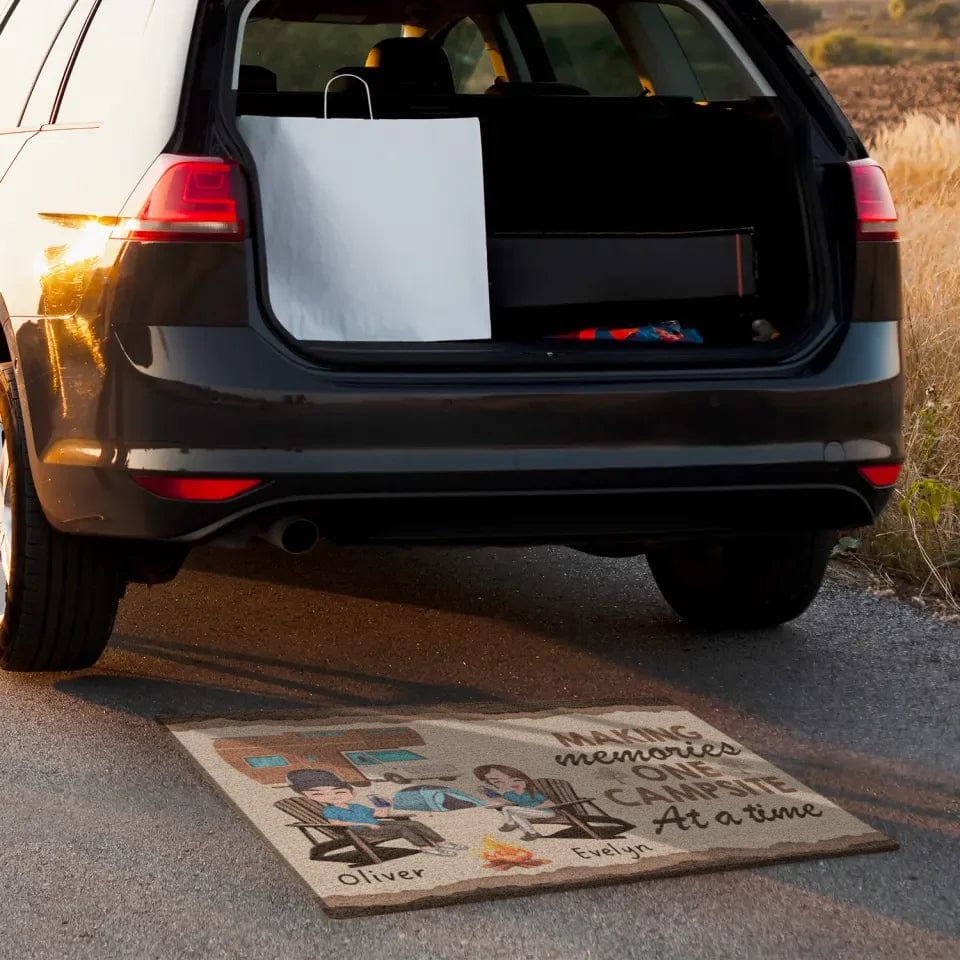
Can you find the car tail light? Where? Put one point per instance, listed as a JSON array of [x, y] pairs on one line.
[[876, 212], [192, 200], [207, 489], [881, 474]]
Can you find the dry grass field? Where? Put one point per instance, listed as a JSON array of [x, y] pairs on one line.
[[919, 536], [873, 97], [911, 121]]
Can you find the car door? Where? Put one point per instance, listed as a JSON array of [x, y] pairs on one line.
[[114, 109], [27, 33]]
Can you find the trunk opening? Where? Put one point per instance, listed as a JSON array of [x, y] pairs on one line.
[[609, 213]]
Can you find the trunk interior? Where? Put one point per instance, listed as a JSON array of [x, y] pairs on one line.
[[619, 212]]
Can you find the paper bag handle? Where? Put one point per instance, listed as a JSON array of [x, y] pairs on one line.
[[340, 76]]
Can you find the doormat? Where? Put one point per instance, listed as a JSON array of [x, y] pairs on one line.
[[383, 812]]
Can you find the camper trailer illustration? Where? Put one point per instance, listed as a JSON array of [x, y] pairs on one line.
[[358, 756]]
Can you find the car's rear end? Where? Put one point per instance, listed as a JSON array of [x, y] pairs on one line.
[[714, 214], [710, 185]]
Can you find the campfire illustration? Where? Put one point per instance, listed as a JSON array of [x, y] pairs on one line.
[[503, 856]]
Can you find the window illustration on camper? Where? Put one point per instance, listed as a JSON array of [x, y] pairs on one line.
[[399, 766], [358, 756]]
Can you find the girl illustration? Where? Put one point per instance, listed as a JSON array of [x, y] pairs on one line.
[[513, 793]]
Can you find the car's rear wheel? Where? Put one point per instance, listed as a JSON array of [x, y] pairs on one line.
[[59, 593], [742, 582]]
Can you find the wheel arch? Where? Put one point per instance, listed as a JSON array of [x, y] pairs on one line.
[[8, 354]]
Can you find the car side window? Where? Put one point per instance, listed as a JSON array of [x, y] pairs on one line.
[[28, 31], [584, 49], [469, 58], [110, 47], [719, 74], [304, 56], [40, 105]]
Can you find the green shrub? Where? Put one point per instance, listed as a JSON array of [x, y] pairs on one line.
[[939, 14], [794, 15], [900, 9], [841, 48]]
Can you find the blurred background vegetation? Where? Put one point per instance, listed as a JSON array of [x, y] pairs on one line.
[[838, 33], [894, 66]]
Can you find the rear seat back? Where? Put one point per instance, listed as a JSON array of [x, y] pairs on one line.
[[255, 79], [535, 88], [347, 97], [412, 65]]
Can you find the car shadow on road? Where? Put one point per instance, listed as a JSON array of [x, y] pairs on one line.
[[385, 624], [848, 699], [312, 687], [464, 581], [151, 697]]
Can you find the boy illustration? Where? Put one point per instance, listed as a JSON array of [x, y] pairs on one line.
[[338, 806], [518, 799]]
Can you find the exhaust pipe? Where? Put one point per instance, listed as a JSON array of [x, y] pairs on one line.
[[293, 535]]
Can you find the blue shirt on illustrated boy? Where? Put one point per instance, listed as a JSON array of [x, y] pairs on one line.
[[352, 813], [525, 799]]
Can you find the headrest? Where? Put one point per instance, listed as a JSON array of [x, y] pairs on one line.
[[370, 75], [254, 79], [412, 64]]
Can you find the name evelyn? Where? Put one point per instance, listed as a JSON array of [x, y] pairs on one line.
[[634, 851]]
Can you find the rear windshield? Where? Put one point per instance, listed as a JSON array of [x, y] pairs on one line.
[[621, 49]]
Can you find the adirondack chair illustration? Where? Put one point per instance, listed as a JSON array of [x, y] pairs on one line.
[[368, 849], [582, 816]]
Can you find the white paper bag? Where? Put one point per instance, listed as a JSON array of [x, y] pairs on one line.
[[375, 229]]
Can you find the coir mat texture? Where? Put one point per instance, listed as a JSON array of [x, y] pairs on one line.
[[392, 811]]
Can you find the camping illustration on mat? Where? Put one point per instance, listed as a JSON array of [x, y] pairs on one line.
[[345, 827], [359, 757], [500, 856], [355, 832], [526, 804]]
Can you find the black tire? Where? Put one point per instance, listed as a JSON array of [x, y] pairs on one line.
[[62, 591], [744, 582]]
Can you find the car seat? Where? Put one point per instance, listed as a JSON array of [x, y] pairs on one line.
[[256, 79], [411, 65]]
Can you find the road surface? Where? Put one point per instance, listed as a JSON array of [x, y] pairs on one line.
[[113, 846]]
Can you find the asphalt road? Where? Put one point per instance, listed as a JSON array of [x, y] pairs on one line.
[[113, 846]]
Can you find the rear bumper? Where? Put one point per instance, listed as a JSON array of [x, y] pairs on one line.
[[424, 457], [589, 518]]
